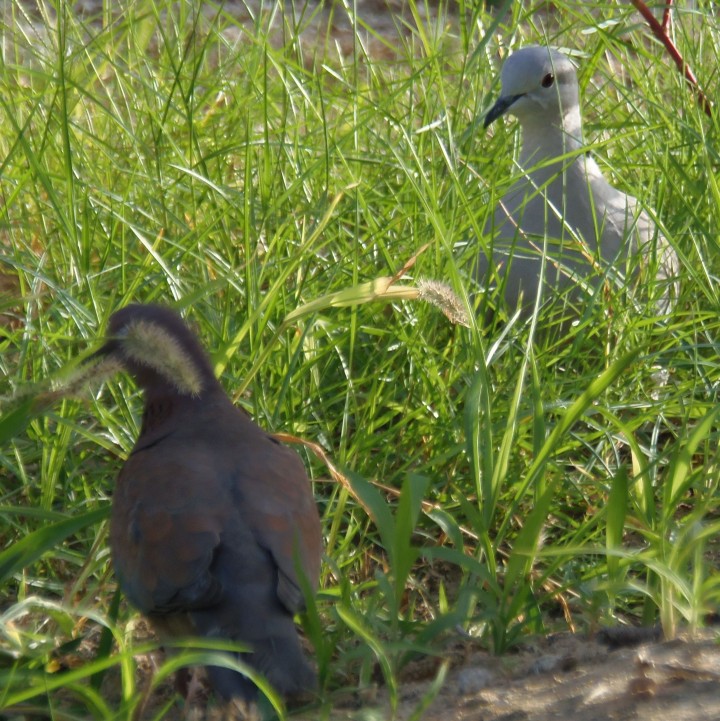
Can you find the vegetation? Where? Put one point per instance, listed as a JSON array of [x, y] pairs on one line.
[[259, 172]]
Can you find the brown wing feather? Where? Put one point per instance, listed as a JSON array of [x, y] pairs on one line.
[[165, 528], [169, 516], [283, 515]]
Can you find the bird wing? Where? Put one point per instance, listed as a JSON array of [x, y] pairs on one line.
[[178, 502], [276, 498], [169, 511]]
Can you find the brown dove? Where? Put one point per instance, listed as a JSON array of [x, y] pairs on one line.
[[213, 520]]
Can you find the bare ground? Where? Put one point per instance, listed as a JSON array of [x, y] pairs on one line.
[[565, 676], [568, 677]]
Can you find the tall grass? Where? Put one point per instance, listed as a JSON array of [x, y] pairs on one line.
[[506, 479]]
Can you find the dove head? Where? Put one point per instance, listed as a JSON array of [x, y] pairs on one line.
[[159, 350], [540, 88]]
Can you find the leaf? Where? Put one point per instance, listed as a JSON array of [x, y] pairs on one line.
[[527, 542], [479, 440], [616, 512], [376, 506], [680, 471], [356, 624], [15, 421], [32, 547], [404, 553]]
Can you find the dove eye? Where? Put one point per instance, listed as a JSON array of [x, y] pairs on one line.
[[548, 80]]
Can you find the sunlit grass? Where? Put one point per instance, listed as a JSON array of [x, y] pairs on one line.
[[264, 178]]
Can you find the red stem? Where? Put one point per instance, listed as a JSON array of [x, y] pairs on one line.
[[660, 33], [666, 16]]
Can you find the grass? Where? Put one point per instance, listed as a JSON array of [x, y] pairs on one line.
[[261, 175]]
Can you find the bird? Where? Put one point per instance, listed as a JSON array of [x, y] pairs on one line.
[[213, 523], [561, 207]]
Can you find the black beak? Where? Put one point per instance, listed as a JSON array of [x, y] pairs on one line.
[[501, 106]]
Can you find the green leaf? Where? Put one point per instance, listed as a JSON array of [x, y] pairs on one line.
[[14, 422], [527, 542], [356, 624], [680, 471], [376, 506], [616, 512], [32, 547]]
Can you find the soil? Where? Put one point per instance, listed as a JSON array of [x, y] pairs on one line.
[[619, 675], [567, 677]]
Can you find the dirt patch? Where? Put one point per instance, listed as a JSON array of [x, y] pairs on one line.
[[567, 677], [561, 677]]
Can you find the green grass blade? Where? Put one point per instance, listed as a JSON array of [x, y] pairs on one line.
[[31, 548]]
